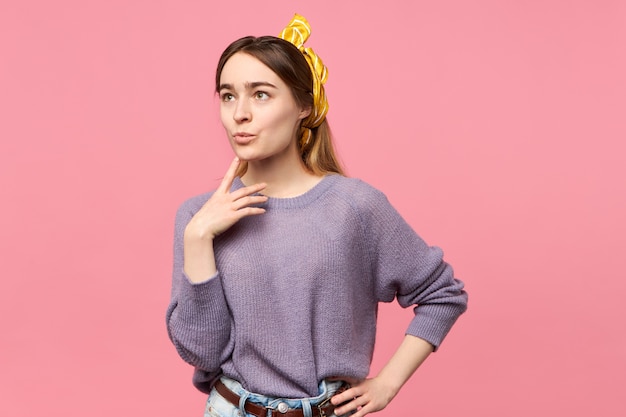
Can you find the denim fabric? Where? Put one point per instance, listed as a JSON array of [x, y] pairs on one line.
[[217, 406]]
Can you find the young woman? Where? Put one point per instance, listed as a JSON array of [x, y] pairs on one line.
[[278, 272]]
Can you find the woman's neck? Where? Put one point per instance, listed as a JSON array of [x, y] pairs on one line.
[[284, 180]]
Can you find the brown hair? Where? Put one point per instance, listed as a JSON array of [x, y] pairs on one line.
[[289, 64]]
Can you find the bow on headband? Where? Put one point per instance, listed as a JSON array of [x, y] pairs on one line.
[[297, 32]]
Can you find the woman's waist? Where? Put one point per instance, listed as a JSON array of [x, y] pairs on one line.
[[326, 389]]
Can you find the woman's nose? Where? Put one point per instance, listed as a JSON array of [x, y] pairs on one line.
[[242, 112]]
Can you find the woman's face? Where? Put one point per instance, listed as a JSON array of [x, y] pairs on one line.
[[257, 109]]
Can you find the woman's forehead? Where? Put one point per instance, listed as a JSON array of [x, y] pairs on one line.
[[243, 69]]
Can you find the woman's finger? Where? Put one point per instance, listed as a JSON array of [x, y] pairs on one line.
[[249, 201], [246, 191], [249, 211], [345, 396], [353, 405], [229, 177]]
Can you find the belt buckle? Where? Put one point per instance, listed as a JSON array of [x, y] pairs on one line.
[[341, 389], [320, 407]]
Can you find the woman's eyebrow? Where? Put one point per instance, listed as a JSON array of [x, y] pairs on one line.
[[248, 85], [251, 86]]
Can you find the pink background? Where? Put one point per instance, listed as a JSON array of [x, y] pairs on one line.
[[495, 127]]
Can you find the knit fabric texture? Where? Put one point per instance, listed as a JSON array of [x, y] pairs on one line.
[[295, 297]]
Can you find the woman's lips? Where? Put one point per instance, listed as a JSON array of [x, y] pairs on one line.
[[243, 138]]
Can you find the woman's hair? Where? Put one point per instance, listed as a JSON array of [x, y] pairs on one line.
[[289, 64]]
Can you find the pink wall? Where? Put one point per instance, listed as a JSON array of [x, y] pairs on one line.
[[495, 127]]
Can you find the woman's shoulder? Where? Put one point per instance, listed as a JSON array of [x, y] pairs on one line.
[[359, 192], [190, 206], [367, 202]]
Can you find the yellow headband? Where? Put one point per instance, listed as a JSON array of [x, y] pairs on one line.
[[297, 32]]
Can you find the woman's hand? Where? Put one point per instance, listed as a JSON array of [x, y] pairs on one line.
[[224, 208], [374, 394], [368, 396], [217, 215]]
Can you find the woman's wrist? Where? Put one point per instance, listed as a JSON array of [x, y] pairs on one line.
[[199, 260]]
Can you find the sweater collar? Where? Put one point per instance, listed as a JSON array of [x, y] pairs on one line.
[[299, 201]]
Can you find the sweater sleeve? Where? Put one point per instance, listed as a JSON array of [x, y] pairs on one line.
[[198, 319], [406, 268]]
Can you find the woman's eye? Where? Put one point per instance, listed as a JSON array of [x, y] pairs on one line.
[[227, 97], [261, 95]]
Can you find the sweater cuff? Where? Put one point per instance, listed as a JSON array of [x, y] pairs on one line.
[[196, 311], [201, 304], [433, 322], [201, 292]]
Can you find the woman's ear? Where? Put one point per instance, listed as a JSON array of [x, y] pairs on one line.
[[304, 113]]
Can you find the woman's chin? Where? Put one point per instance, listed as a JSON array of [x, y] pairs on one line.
[[244, 157], [247, 156]]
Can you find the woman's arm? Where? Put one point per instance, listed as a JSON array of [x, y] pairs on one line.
[[406, 268], [217, 215], [198, 319], [374, 394]]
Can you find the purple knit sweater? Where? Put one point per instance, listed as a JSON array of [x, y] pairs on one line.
[[295, 297]]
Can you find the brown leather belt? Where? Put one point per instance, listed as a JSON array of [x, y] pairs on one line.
[[325, 409]]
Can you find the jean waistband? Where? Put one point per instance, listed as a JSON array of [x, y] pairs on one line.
[[326, 389]]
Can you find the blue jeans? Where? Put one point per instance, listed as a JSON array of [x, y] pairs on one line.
[[218, 406]]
